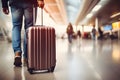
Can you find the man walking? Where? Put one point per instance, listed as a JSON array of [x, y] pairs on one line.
[[20, 9]]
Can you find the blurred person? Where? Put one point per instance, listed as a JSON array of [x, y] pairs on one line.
[[79, 33], [70, 32], [100, 32], [93, 33], [20, 9]]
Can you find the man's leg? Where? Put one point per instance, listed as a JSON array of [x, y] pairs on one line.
[[17, 16]]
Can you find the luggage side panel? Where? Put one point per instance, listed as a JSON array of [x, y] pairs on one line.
[[43, 48], [53, 47], [30, 45]]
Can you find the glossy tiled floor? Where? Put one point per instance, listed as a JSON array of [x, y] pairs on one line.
[[81, 60]]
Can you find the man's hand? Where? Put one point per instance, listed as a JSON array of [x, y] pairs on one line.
[[41, 4], [5, 11]]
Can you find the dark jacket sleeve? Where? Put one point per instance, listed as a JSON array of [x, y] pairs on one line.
[[4, 3]]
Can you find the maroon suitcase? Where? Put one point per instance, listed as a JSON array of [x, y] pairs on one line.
[[41, 45], [41, 49]]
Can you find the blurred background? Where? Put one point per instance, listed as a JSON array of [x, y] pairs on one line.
[[83, 14]]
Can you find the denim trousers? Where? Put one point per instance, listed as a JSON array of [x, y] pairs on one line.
[[26, 11], [70, 38]]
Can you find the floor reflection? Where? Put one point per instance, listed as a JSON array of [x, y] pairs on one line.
[[80, 60], [20, 73]]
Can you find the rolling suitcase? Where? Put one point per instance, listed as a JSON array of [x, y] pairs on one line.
[[41, 47]]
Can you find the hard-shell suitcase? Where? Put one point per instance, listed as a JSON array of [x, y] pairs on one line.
[[41, 48]]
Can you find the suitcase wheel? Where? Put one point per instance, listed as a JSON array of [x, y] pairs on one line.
[[51, 69], [30, 71]]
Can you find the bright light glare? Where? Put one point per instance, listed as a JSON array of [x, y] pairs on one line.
[[96, 8], [89, 15], [114, 15]]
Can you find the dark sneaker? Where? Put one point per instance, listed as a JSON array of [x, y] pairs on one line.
[[17, 62]]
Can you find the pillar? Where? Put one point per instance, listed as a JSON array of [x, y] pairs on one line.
[[96, 27]]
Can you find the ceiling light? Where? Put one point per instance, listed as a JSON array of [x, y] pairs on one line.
[[89, 15], [103, 0], [114, 15], [96, 8]]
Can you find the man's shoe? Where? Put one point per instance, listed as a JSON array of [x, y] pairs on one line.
[[17, 60], [24, 62]]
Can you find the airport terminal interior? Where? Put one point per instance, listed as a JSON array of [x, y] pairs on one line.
[[86, 57]]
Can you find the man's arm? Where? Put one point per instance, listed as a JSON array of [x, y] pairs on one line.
[[40, 3], [5, 6]]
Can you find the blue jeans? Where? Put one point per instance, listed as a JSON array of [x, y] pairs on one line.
[[26, 11], [70, 38], [93, 36]]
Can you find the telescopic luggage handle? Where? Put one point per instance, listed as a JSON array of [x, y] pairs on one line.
[[41, 16], [35, 16]]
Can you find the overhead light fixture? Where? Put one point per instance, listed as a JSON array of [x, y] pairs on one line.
[[103, 0], [114, 15], [96, 8], [89, 15]]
